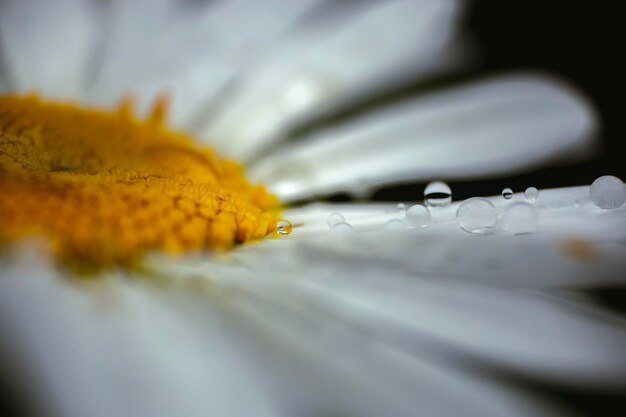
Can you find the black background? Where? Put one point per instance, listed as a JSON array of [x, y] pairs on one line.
[[582, 42]]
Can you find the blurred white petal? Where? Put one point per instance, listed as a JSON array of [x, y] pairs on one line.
[[113, 348], [47, 51], [192, 51], [237, 348], [499, 125], [426, 315], [332, 64]]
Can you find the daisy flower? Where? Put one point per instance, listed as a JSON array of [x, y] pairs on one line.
[[143, 274]]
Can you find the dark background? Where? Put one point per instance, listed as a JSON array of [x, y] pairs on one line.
[[582, 42]]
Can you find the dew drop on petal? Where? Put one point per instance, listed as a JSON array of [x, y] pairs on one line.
[[477, 215], [607, 192], [437, 194], [418, 216], [507, 193], [283, 227], [395, 224], [334, 218], [401, 206], [341, 227], [519, 218], [531, 194]]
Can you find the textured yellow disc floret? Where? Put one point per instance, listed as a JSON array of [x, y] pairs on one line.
[[104, 187]]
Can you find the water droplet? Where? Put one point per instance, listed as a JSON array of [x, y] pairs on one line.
[[341, 227], [578, 204], [477, 215], [401, 206], [283, 227], [531, 194], [507, 193], [335, 218], [418, 215], [519, 218], [395, 224], [608, 192], [437, 194]]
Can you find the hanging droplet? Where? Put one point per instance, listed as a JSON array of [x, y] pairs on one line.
[[283, 227], [531, 194], [395, 224], [477, 215], [418, 216], [341, 227], [519, 218], [334, 218], [608, 192], [437, 194], [507, 193]]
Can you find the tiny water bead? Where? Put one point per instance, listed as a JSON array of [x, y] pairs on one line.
[[401, 206], [531, 194], [418, 216], [608, 192], [519, 218], [507, 193], [284, 227], [334, 218], [341, 228], [477, 215], [437, 194]]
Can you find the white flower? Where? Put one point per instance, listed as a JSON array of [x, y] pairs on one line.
[[382, 321]]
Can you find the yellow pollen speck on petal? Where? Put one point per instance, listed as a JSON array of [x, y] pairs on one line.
[[104, 187], [579, 249]]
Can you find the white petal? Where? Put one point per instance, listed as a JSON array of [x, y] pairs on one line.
[[191, 51], [232, 346], [500, 125], [428, 313], [333, 63], [576, 245], [47, 45], [118, 348]]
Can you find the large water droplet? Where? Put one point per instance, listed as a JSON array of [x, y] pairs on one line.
[[283, 227], [531, 194], [519, 218], [477, 215], [418, 215], [341, 228], [395, 224], [437, 194], [507, 193], [334, 218], [608, 192]]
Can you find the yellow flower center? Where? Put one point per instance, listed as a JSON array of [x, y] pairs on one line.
[[104, 187]]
